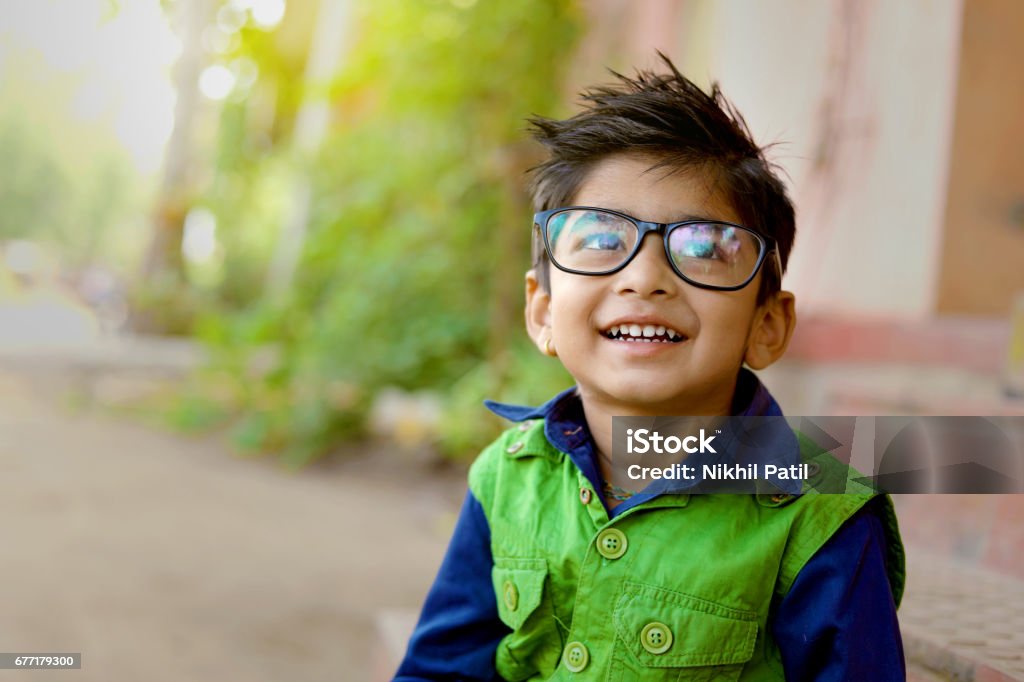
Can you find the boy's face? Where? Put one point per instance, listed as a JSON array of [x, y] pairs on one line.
[[720, 329]]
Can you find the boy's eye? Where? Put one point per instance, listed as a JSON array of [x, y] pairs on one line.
[[695, 249], [701, 249], [707, 243], [601, 241]]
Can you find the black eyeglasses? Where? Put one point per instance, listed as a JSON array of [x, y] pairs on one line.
[[706, 253]]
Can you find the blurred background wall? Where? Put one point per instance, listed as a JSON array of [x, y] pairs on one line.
[[892, 122]]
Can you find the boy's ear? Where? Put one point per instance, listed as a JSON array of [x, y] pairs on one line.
[[538, 312], [773, 326]]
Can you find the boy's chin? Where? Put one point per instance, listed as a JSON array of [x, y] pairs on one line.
[[645, 398]]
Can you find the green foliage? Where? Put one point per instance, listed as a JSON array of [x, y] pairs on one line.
[[413, 193], [63, 181]]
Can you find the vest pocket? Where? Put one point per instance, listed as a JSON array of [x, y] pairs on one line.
[[534, 643], [667, 635]]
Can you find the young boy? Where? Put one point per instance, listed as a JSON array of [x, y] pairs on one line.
[[554, 572]]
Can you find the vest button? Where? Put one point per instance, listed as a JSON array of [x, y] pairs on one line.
[[511, 595], [611, 543], [656, 637], [585, 495], [780, 498], [514, 448], [576, 657]]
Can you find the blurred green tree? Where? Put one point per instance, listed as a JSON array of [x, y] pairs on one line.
[[409, 271]]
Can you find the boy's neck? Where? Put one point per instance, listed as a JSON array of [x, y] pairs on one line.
[[599, 411]]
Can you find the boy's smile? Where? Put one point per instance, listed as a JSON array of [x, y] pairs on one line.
[[642, 340]]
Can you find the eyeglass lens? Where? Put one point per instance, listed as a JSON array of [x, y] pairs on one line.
[[716, 254]]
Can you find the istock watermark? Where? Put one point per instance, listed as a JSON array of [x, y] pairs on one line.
[[652, 441]]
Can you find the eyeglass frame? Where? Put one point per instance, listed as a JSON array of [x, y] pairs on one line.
[[768, 244]]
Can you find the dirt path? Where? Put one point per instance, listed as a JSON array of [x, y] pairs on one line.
[[160, 557]]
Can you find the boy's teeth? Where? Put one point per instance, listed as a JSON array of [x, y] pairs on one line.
[[647, 332]]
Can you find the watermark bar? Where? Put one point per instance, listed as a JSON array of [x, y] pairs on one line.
[[826, 455], [36, 661]]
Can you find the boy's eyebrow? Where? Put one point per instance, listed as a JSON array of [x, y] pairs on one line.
[[689, 216], [682, 218]]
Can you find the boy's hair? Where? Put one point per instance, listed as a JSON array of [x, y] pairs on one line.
[[667, 116]]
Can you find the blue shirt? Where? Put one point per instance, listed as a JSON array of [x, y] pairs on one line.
[[837, 622]]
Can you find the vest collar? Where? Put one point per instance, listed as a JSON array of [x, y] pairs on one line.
[[565, 431]]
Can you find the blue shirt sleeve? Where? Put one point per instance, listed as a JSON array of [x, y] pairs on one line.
[[838, 620], [459, 630]]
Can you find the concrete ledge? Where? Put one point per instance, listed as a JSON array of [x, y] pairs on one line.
[[961, 622], [929, 660]]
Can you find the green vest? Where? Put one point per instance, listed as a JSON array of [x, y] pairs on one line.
[[676, 588]]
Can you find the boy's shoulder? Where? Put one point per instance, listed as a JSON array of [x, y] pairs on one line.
[[524, 439], [520, 441]]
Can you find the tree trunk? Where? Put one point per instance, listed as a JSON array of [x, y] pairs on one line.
[[177, 188]]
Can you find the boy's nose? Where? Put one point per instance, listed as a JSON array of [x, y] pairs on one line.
[[649, 273]]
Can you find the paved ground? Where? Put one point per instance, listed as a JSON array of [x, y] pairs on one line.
[[160, 557]]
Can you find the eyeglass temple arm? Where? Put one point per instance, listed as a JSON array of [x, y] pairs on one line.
[[773, 253]]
